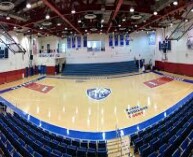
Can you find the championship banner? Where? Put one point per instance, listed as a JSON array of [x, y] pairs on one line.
[[127, 39], [85, 41], [121, 39], [78, 41], [68, 42], [110, 40], [35, 49], [73, 42], [116, 39]]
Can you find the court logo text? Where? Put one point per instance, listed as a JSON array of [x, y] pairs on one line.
[[98, 93], [135, 111]]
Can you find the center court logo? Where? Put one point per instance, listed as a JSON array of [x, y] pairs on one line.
[[98, 93]]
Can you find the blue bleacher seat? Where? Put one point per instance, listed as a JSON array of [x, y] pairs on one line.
[[190, 136], [62, 147], [102, 144], [154, 154], [138, 143], [76, 143], [81, 152], [155, 144], [100, 68], [71, 150], [16, 154], [102, 153], [176, 153], [37, 154], [93, 144], [146, 151], [84, 144], [162, 148], [10, 148], [29, 149], [91, 152]]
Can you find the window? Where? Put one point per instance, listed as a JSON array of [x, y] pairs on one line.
[[95, 46]]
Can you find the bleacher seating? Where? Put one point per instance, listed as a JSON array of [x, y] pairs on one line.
[[173, 136], [18, 137], [100, 68]]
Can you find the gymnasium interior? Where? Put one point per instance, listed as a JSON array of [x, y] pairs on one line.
[[96, 78]]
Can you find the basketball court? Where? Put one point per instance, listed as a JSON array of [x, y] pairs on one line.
[[103, 104]]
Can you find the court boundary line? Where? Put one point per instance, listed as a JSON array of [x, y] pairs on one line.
[[106, 135]]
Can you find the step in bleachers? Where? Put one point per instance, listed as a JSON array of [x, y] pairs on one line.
[[99, 69], [18, 137], [173, 136]]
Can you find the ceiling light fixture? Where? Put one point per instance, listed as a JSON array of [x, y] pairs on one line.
[[66, 28], [8, 18], [102, 21], [28, 5], [119, 25], [175, 3], [101, 26], [73, 11], [155, 13], [85, 30], [79, 21], [124, 19], [47, 17], [131, 10], [58, 24]]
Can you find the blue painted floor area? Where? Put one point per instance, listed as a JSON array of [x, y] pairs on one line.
[[96, 135]]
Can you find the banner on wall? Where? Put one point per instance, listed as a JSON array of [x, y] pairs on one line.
[[152, 38], [116, 39], [110, 40], [127, 39], [121, 39], [84, 41], [73, 41], [35, 49], [78, 41], [68, 42]]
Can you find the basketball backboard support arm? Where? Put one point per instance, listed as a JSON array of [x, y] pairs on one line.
[[179, 26], [9, 42]]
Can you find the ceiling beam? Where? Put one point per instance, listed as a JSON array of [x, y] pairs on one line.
[[54, 9], [114, 14]]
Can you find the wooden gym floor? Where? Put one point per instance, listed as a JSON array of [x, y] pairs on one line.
[[67, 104]]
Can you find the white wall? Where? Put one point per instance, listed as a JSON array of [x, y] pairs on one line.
[[17, 61], [52, 40], [138, 45], [179, 52]]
